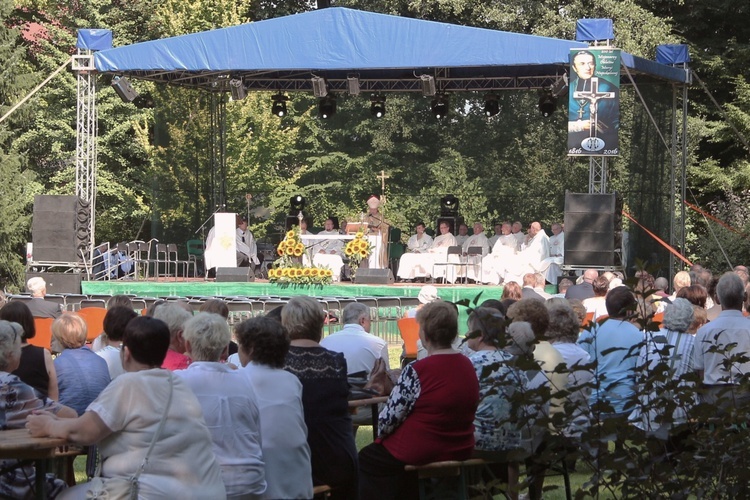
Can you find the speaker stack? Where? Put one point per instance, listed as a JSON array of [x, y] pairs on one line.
[[60, 228], [593, 230]]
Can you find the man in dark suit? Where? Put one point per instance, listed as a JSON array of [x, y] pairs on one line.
[[585, 290], [39, 307], [528, 292]]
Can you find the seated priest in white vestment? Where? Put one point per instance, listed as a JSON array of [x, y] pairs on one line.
[[463, 234], [494, 264], [517, 232], [328, 253], [498, 232], [438, 252], [551, 265], [247, 249], [531, 256], [478, 239], [412, 263]]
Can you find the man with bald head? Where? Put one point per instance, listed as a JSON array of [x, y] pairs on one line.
[[531, 256], [584, 290]]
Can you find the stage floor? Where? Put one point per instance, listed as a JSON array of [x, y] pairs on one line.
[[200, 287]]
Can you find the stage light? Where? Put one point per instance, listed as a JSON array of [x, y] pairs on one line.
[[428, 85], [279, 104], [449, 206], [440, 106], [547, 104], [377, 106], [320, 88], [491, 107], [237, 89], [352, 84], [327, 107], [296, 204]]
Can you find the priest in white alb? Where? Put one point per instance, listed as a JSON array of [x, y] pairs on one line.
[[438, 252], [531, 256], [473, 262], [411, 265], [550, 267], [503, 251]]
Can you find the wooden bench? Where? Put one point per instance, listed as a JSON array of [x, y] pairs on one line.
[[448, 479]]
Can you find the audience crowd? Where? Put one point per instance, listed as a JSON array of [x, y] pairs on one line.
[[172, 414]]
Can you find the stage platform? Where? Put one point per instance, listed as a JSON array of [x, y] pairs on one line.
[[162, 288]]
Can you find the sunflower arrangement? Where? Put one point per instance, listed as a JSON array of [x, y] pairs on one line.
[[357, 250], [289, 268]]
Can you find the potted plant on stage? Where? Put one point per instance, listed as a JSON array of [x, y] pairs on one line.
[[290, 269], [357, 250]]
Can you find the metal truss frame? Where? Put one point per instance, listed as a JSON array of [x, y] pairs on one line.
[[86, 129]]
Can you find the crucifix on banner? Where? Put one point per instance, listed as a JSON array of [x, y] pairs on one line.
[[592, 98]]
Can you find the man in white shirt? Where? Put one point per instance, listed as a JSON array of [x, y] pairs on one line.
[[247, 250], [478, 239], [411, 265], [360, 348], [328, 253]]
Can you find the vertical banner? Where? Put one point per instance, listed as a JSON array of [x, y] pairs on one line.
[[594, 102]]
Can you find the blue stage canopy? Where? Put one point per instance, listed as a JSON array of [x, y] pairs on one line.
[[385, 53]]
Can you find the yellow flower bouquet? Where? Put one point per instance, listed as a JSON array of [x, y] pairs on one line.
[[289, 268], [357, 250]]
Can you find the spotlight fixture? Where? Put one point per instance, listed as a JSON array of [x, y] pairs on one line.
[[428, 85], [377, 106], [440, 106], [547, 103], [491, 107], [237, 89], [352, 84], [279, 104], [327, 107], [449, 206], [296, 204], [320, 88]]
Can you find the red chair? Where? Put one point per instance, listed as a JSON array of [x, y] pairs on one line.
[[43, 337], [409, 330], [94, 318]]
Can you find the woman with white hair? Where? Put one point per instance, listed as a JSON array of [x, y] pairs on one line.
[[229, 406], [18, 400], [664, 359]]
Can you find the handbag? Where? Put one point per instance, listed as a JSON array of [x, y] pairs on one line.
[[115, 488], [379, 382]]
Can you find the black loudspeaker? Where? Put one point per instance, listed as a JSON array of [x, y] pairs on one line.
[[234, 274], [124, 89], [60, 228], [59, 282], [369, 276], [593, 229]]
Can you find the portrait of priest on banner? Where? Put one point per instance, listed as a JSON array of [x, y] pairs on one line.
[[594, 103]]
